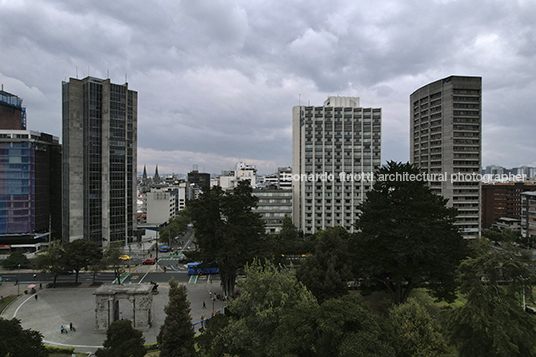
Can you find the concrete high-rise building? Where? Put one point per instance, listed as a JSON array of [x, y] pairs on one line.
[[335, 149], [99, 160], [446, 138]]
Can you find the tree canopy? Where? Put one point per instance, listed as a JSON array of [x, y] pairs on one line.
[[266, 295], [15, 259], [175, 226], [122, 340], [416, 332], [176, 337], [51, 261], [112, 259], [16, 341], [492, 322], [406, 238], [326, 272], [227, 230], [81, 253]]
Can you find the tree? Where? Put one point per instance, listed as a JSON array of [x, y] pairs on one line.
[[51, 260], [81, 253], [111, 259], [417, 333], [176, 337], [338, 327], [15, 259], [20, 342], [406, 237], [122, 340], [266, 296], [326, 273], [96, 268], [175, 226], [492, 322], [227, 230]]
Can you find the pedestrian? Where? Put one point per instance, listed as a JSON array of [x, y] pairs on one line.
[[204, 305], [71, 327], [35, 276], [35, 297], [62, 329], [40, 285]]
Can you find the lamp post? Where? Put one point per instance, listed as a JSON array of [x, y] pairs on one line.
[[18, 285]]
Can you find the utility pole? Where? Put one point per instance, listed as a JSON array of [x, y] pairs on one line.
[[18, 284]]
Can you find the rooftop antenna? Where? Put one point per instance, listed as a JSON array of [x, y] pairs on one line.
[[2, 87], [108, 75], [299, 100], [88, 71], [126, 81], [76, 72]]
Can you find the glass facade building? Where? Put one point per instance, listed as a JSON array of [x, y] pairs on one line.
[[30, 176]]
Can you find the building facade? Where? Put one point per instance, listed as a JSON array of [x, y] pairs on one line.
[[528, 216], [446, 138], [30, 181], [12, 113], [273, 205], [335, 150], [502, 200], [99, 160], [161, 206]]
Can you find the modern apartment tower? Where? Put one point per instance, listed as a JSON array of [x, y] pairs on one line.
[[99, 160], [446, 138], [335, 149]]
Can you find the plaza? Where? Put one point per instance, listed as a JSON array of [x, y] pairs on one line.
[[56, 307]]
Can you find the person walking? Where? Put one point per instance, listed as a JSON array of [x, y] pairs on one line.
[[35, 297], [204, 305], [62, 329]]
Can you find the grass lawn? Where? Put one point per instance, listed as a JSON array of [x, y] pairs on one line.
[[6, 301], [380, 302], [153, 354]]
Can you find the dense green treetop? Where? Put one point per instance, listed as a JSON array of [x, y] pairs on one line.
[[176, 337], [122, 340], [15, 259], [406, 238], [492, 322], [81, 253], [19, 342], [326, 272], [227, 230]]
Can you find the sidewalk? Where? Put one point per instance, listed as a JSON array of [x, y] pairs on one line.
[[61, 306]]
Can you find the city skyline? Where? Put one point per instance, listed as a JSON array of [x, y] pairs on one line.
[[216, 81]]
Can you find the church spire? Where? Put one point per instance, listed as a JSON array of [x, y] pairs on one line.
[[156, 177], [144, 177]]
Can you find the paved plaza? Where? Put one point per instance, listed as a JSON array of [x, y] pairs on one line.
[[60, 306]]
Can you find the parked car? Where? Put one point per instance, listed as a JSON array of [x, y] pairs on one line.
[[149, 261], [124, 257]]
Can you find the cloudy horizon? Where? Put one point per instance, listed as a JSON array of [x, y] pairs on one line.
[[217, 80]]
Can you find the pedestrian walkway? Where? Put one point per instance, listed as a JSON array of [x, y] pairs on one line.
[[61, 306]]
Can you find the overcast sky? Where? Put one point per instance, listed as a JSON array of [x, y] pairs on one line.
[[217, 79]]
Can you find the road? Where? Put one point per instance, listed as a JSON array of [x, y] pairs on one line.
[[140, 273]]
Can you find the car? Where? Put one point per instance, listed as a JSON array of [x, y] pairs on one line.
[[149, 261], [124, 257]]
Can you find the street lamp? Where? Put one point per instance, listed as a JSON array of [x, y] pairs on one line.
[[18, 285]]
